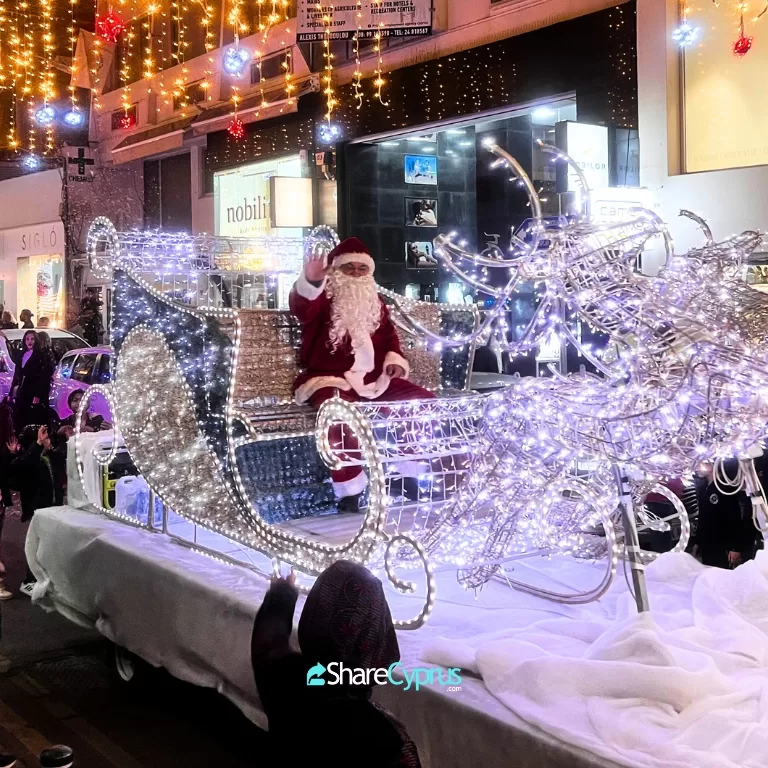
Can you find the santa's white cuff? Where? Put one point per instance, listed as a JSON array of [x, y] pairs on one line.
[[306, 290], [392, 358], [350, 487]]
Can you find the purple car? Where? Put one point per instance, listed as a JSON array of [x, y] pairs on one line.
[[78, 370]]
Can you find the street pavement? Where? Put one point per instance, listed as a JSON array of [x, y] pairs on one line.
[[57, 686]]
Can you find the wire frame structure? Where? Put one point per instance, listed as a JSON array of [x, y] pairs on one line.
[[686, 379]]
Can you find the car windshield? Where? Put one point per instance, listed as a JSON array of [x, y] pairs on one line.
[[61, 345]]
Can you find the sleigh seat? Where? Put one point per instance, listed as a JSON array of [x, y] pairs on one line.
[[276, 450]]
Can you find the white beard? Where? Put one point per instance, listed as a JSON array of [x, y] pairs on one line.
[[355, 308]]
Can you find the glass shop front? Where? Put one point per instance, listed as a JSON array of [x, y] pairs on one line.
[[402, 190], [572, 85], [263, 187]]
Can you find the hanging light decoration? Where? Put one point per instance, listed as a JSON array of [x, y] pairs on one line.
[[685, 34], [45, 115], [743, 43], [110, 27], [31, 162], [742, 46], [74, 118], [330, 97], [235, 60], [236, 128], [126, 121]]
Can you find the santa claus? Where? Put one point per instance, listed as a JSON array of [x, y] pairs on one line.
[[349, 345]]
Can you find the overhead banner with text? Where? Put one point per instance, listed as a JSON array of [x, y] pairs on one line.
[[392, 18]]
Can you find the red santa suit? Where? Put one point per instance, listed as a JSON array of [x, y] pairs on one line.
[[355, 369]]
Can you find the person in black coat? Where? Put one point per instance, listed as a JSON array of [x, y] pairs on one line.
[[37, 473], [726, 535], [31, 383], [345, 619]]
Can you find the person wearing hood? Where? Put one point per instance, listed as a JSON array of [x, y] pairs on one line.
[[345, 619]]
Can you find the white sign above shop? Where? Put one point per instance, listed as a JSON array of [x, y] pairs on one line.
[[588, 146], [614, 204], [291, 202], [342, 21], [242, 197], [34, 240]]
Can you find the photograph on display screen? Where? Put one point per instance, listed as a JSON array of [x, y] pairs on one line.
[[420, 212], [421, 169], [419, 255]]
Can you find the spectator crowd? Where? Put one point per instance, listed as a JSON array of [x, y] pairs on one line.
[[33, 437]]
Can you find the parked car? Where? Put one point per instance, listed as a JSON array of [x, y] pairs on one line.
[[10, 351], [79, 369]]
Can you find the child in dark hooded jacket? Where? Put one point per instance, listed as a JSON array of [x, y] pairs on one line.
[[345, 619]]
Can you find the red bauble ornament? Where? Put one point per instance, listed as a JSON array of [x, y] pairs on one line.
[[126, 121], [742, 46], [236, 128], [110, 27]]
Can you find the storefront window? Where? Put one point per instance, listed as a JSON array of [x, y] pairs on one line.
[[40, 287], [726, 122], [400, 192]]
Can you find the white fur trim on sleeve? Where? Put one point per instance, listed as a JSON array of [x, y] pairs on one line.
[[309, 387], [392, 358], [357, 258], [306, 290]]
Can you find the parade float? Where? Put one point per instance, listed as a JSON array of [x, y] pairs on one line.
[[466, 490]]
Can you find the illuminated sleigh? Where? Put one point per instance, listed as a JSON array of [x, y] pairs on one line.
[[202, 400]]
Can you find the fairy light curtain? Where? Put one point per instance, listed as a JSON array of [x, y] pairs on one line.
[[37, 58]]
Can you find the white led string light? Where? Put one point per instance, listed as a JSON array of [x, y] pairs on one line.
[[685, 377]]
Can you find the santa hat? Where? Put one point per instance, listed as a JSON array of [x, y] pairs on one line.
[[351, 250]]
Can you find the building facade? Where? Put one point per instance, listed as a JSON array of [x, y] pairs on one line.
[[32, 246], [509, 68], [702, 119]]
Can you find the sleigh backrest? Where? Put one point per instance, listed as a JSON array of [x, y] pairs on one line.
[[268, 360]]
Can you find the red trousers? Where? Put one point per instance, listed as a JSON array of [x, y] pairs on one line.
[[349, 481]]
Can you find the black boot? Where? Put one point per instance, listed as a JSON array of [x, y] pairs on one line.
[[57, 757], [350, 503]]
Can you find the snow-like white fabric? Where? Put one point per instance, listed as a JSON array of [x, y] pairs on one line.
[[684, 686]]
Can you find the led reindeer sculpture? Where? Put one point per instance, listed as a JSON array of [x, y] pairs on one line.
[[685, 384]]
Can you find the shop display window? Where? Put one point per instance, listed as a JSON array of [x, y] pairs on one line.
[[724, 109]]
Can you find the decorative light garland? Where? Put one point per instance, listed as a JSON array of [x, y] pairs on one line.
[[330, 97], [378, 80], [357, 77]]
